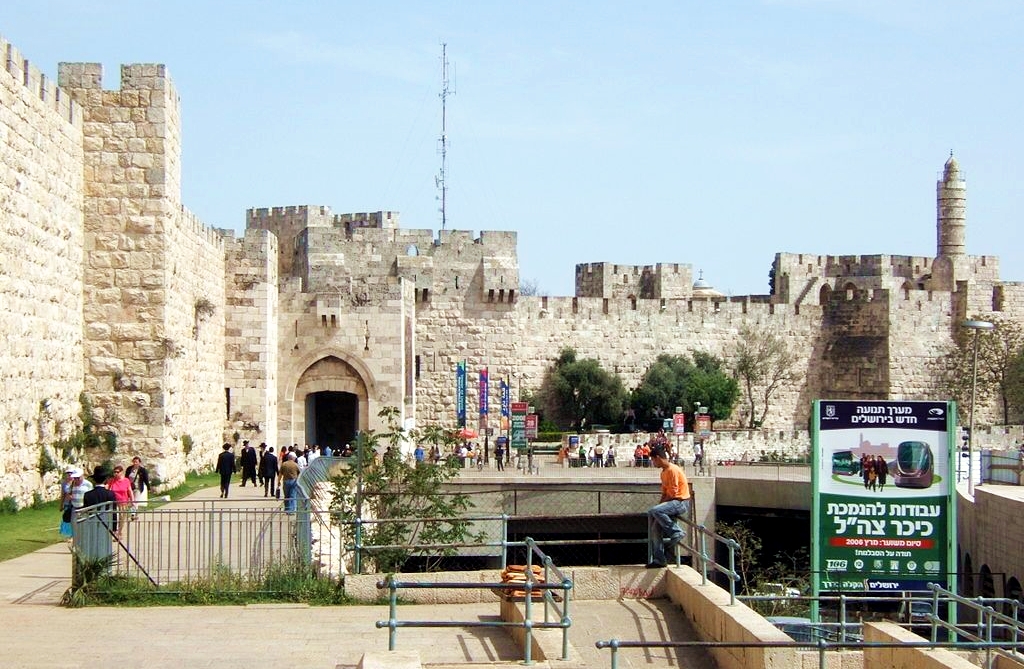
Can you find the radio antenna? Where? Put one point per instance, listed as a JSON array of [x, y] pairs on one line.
[[441, 180]]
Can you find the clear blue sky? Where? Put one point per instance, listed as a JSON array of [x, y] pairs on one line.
[[709, 133]]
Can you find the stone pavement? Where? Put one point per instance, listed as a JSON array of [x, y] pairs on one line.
[[36, 632]]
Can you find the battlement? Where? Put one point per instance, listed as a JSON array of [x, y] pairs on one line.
[[134, 76], [661, 312], [662, 280], [190, 223], [258, 217], [880, 265], [376, 219], [39, 85]]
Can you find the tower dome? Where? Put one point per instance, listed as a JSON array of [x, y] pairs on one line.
[[702, 288]]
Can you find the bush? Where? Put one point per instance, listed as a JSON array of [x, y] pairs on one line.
[[8, 505]]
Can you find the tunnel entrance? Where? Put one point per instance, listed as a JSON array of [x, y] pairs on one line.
[[332, 418]]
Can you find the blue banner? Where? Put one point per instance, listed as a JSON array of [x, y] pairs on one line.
[[460, 393], [484, 383], [506, 398]]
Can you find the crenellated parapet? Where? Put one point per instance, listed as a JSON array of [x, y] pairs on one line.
[[670, 281], [39, 85]]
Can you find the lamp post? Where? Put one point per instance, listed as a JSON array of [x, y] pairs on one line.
[[977, 326]]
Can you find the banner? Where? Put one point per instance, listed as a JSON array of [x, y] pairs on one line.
[[460, 394], [484, 402], [883, 515], [506, 401]]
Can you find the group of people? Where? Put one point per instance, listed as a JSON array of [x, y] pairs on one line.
[[127, 487], [276, 473], [874, 470]]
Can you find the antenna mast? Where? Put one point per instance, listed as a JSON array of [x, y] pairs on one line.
[[441, 179]]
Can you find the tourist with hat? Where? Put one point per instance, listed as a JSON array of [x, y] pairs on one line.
[[101, 494], [66, 484], [79, 486]]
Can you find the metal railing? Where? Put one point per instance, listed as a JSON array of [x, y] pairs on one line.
[[1005, 467], [697, 540], [546, 587], [989, 623], [192, 540], [822, 646]]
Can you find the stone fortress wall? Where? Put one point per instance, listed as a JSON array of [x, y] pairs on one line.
[[183, 336], [41, 242]]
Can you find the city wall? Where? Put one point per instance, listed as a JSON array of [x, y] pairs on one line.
[[41, 246]]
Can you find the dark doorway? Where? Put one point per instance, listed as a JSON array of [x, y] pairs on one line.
[[332, 418]]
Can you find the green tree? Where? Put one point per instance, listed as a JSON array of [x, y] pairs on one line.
[[747, 554], [677, 381], [998, 379], [380, 484], [763, 364], [576, 393]]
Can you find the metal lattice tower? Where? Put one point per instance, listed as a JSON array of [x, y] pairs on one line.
[[441, 180]]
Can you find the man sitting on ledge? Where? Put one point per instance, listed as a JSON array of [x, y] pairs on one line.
[[662, 530]]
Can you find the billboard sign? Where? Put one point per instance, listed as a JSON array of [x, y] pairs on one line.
[[678, 423], [518, 431], [883, 515], [531, 426]]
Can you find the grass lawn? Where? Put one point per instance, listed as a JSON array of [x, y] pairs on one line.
[[33, 528]]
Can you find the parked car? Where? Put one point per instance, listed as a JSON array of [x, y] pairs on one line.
[[843, 462], [916, 611]]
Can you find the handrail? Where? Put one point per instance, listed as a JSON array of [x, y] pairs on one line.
[[988, 619], [704, 558], [532, 584], [821, 645]]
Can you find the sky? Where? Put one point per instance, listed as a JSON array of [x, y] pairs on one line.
[[713, 134]]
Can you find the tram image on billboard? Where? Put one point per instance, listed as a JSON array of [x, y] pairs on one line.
[[915, 465]]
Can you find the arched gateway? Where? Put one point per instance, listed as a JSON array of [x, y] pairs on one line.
[[330, 403]]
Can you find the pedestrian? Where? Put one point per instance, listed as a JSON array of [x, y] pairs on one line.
[[662, 530], [79, 486], [139, 476], [249, 460], [499, 453], [100, 494], [289, 481], [269, 470], [259, 463], [121, 486], [226, 469], [67, 484]]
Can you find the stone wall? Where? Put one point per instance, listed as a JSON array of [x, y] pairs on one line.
[[41, 242], [251, 336], [521, 343], [191, 401]]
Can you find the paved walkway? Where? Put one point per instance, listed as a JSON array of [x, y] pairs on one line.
[[38, 633]]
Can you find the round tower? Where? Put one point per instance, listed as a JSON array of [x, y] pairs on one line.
[[951, 207]]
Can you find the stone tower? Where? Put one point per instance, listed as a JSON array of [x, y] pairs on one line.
[[951, 227]]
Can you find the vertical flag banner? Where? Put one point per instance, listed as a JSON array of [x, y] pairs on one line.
[[460, 393], [884, 508], [484, 392], [484, 384], [506, 401]]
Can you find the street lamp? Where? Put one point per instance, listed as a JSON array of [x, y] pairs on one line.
[[977, 326]]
